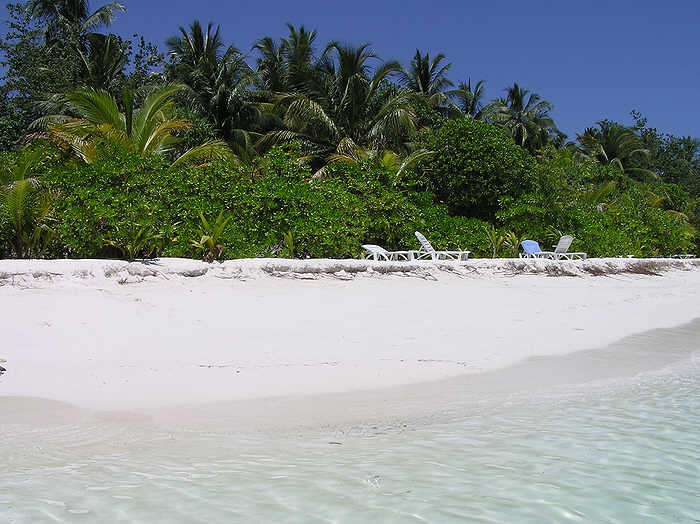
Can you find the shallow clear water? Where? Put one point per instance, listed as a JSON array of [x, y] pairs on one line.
[[614, 451]]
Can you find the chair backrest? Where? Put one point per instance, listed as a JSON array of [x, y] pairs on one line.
[[424, 243], [564, 244], [531, 247], [372, 248]]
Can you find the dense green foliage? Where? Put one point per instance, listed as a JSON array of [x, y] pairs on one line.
[[475, 164], [115, 202], [26, 207], [609, 213], [131, 206], [304, 151]]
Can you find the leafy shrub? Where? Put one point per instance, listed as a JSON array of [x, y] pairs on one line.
[[475, 165], [130, 206], [136, 240], [269, 200], [608, 213]]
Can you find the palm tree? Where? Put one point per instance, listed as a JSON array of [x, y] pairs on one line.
[[427, 80], [218, 78], [526, 117], [299, 52], [26, 207], [389, 161], [288, 66], [615, 144], [469, 99], [194, 52], [104, 61], [427, 77], [73, 16], [345, 103], [272, 66], [89, 118]]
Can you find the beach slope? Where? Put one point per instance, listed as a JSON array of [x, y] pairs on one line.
[[113, 335]]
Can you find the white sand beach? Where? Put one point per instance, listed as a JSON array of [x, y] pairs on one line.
[[110, 335]]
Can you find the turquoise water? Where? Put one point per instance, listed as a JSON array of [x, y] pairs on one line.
[[620, 450]]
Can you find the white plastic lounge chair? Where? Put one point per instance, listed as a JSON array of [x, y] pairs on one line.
[[427, 251], [379, 253], [561, 250], [531, 249]]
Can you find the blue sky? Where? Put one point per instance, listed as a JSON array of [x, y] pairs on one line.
[[593, 59]]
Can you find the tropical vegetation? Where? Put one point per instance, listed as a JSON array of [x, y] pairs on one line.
[[297, 148]]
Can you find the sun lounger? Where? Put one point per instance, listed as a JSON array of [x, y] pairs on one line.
[[379, 253], [427, 251], [531, 249], [561, 250]]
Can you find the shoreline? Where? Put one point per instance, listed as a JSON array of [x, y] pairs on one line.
[[230, 334], [626, 363]]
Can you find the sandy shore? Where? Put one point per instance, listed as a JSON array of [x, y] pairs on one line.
[[112, 335]]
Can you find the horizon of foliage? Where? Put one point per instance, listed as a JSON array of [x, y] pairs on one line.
[[303, 148]]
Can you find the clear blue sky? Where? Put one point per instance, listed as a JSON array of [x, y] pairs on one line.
[[593, 59]]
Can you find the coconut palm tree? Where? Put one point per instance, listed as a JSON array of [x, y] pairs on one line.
[[427, 77], [287, 67], [615, 144], [218, 78], [194, 53], [26, 207], [298, 49], [104, 61], [272, 66], [73, 17], [88, 118], [345, 103], [230, 102], [526, 116], [469, 99]]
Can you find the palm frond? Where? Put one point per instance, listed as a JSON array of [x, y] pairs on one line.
[[415, 158], [95, 106], [160, 138], [303, 112], [105, 15], [156, 107], [212, 150]]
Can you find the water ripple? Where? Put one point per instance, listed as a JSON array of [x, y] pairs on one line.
[[620, 452]]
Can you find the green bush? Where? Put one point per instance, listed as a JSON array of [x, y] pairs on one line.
[[127, 206], [107, 208], [608, 213], [475, 165]]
